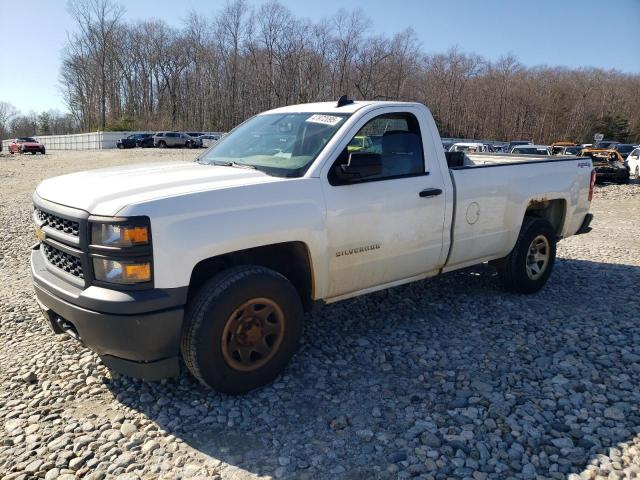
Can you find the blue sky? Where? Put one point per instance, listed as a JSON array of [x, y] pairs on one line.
[[572, 33]]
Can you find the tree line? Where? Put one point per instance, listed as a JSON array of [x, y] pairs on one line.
[[215, 71]]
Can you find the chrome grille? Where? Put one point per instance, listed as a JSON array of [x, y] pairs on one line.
[[58, 223], [63, 260]]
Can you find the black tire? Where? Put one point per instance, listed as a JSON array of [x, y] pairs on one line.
[[162, 144], [42, 151], [212, 308], [120, 146], [512, 269]]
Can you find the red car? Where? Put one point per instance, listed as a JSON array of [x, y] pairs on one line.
[[26, 145]]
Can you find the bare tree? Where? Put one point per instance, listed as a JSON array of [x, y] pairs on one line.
[[213, 72], [7, 113], [98, 22]]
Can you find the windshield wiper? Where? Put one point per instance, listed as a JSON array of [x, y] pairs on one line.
[[235, 164]]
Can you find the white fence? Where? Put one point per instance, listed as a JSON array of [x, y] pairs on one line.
[[78, 141]]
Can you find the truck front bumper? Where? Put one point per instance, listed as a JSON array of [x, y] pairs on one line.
[[136, 333]]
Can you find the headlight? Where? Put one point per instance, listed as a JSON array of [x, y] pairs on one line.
[[120, 234], [122, 271]]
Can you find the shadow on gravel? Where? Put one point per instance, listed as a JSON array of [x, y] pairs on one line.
[[440, 378]]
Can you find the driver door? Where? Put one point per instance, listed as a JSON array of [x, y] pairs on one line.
[[388, 227]]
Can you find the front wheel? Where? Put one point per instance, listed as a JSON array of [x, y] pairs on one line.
[[527, 268], [241, 329], [637, 171]]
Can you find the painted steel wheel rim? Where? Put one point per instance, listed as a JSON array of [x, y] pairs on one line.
[[253, 334]]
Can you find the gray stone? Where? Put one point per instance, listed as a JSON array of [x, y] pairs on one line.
[[614, 413], [127, 429], [150, 446], [430, 440]]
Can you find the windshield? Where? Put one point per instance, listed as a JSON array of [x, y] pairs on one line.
[[282, 144], [26, 139], [572, 150]]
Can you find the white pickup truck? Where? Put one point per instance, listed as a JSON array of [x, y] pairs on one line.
[[215, 261]]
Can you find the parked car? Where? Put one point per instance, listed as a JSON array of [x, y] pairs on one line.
[[608, 164], [575, 150], [606, 144], [489, 148], [515, 143], [624, 149], [500, 147], [217, 260], [173, 139], [136, 140], [196, 142], [195, 134], [467, 147], [26, 145], [633, 162], [209, 139], [558, 147], [530, 150]]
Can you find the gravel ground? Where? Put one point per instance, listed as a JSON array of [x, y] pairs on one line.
[[447, 378]]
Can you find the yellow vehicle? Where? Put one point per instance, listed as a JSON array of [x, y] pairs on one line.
[[608, 164], [558, 147], [359, 142]]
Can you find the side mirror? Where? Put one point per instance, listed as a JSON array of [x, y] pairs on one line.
[[361, 165]]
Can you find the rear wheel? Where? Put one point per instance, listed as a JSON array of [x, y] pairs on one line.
[[241, 329], [162, 144], [637, 174], [527, 268]]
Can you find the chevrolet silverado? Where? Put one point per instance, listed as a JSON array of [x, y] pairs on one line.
[[215, 261]]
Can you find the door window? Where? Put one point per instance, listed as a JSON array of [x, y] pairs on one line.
[[395, 138]]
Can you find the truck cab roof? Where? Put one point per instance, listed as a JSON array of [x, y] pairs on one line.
[[331, 107]]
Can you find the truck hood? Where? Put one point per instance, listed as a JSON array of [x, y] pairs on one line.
[[106, 191]]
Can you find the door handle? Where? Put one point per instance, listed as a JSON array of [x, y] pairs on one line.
[[430, 192]]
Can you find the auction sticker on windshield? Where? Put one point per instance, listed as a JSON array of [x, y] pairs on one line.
[[324, 119]]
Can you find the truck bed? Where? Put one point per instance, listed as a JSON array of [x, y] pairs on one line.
[[457, 160], [489, 203]]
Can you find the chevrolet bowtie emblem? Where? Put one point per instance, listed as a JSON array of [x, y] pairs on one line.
[[40, 234]]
